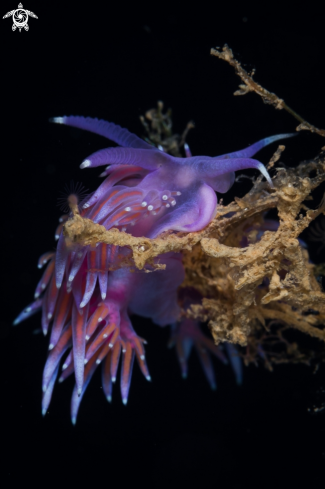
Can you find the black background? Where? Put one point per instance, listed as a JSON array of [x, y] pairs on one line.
[[111, 62]]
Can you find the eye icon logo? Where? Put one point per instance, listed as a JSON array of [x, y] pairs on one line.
[[20, 18]]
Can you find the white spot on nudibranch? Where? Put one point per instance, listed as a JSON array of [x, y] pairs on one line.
[[164, 197], [144, 204], [127, 209], [58, 120], [150, 207], [85, 164]]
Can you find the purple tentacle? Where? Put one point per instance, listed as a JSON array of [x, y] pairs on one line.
[[111, 131], [29, 311], [256, 147], [47, 395], [79, 322], [149, 159], [55, 356], [78, 393], [236, 362]]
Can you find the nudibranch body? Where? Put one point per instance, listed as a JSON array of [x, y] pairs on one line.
[[87, 299]]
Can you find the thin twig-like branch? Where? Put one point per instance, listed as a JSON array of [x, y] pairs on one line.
[[252, 86]]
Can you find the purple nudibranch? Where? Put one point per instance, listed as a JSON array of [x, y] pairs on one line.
[[87, 300]]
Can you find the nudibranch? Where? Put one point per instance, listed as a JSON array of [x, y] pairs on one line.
[[86, 299]]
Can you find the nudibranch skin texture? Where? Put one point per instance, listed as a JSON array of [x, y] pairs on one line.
[[87, 300]]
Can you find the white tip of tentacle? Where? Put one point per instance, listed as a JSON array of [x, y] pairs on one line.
[[103, 296], [125, 401], [43, 412], [73, 420], [148, 378], [113, 379], [64, 366], [79, 391], [98, 361], [160, 147], [44, 388], [82, 304], [85, 164], [109, 398], [142, 357], [50, 315], [87, 337], [51, 346], [57, 120], [85, 361]]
